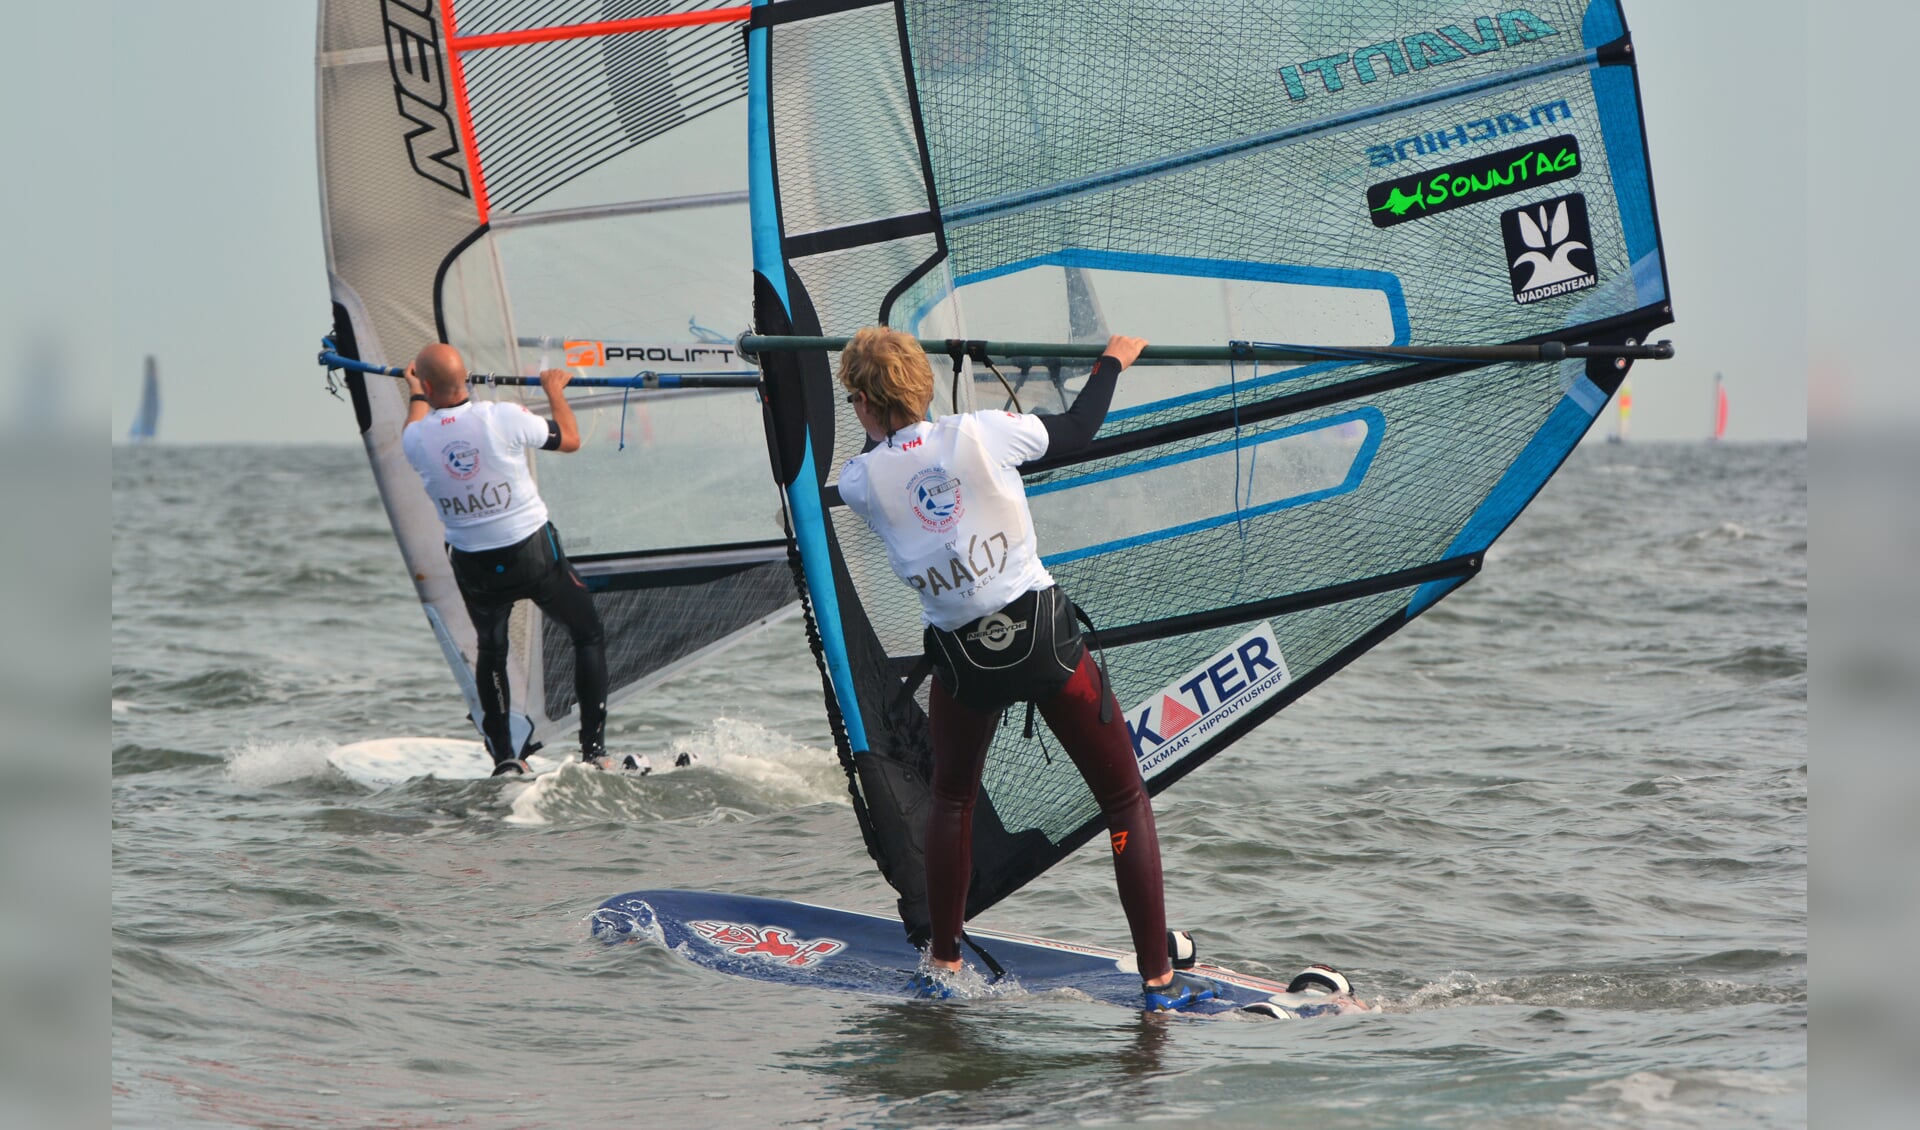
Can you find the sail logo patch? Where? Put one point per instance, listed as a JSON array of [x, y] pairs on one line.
[[936, 499], [767, 943], [585, 354], [1470, 182], [1221, 688], [1549, 248], [420, 89], [462, 459]]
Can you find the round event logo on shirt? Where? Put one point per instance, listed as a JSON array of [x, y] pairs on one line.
[[462, 459], [936, 499]]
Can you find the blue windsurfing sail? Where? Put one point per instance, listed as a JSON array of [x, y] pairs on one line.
[[1367, 173], [146, 422]]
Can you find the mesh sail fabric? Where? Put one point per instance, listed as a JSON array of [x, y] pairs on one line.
[[540, 202], [545, 114], [659, 614], [1369, 172]]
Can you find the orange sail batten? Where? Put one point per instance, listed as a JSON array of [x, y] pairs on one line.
[[588, 31], [458, 75]]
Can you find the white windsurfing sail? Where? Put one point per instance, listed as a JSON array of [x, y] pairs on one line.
[[1370, 181], [146, 422], [540, 182]]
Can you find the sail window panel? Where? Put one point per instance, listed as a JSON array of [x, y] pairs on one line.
[[843, 124], [614, 296], [633, 278], [610, 498], [512, 299], [545, 114], [1225, 482]]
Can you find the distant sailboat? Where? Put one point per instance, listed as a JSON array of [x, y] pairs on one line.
[[1719, 431], [1624, 403], [147, 421]]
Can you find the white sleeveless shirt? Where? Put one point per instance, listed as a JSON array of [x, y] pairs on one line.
[[948, 502], [473, 460]]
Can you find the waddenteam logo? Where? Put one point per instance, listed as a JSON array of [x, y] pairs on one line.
[[1549, 248]]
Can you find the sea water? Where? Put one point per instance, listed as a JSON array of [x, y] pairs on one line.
[[1558, 827]]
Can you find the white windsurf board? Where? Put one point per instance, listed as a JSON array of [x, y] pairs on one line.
[[384, 762]]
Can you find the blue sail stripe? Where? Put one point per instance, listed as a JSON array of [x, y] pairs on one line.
[[1538, 460], [803, 494]]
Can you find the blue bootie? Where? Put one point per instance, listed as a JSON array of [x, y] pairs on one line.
[[929, 987], [1184, 991]]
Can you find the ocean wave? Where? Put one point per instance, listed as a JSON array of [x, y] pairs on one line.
[[265, 763], [1623, 989], [737, 767]]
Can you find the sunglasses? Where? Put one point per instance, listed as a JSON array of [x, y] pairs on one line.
[[851, 397]]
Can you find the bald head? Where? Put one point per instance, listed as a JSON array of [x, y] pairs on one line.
[[441, 369]]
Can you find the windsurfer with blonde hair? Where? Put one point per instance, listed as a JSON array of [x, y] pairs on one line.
[[946, 497]]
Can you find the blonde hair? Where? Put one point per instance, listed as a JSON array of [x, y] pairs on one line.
[[889, 368]]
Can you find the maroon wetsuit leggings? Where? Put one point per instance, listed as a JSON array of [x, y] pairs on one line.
[[1104, 755]]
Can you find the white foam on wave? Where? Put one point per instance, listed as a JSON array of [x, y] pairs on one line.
[[260, 763], [525, 807], [1674, 1094], [1725, 531], [771, 769], [780, 770], [1458, 986]]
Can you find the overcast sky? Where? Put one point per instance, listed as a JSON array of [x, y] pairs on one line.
[[213, 230]]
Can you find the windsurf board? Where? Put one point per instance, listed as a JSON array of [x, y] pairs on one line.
[[384, 762], [849, 951]]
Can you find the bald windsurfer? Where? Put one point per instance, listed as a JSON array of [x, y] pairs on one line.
[[998, 630], [472, 458]]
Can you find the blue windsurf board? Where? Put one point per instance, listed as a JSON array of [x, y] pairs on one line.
[[801, 944]]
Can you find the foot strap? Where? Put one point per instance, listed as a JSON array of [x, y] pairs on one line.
[[1322, 977], [986, 958]]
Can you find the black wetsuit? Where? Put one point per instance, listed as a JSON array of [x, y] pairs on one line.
[[534, 569]]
